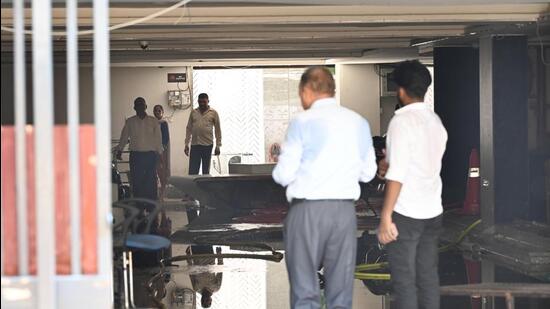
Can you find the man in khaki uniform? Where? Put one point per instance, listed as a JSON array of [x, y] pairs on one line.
[[202, 122]]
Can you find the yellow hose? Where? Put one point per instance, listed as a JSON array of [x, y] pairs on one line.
[[460, 237], [364, 267], [371, 276], [361, 275]]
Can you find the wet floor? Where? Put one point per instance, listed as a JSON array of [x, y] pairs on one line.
[[258, 284], [245, 283]]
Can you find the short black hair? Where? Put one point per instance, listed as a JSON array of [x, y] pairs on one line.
[[139, 100], [203, 96], [412, 76]]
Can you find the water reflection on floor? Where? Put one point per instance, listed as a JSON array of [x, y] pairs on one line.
[[246, 283]]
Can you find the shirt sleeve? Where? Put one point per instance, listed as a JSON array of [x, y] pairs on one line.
[[123, 137], [165, 133], [189, 129], [398, 150], [290, 157], [369, 167], [218, 130]]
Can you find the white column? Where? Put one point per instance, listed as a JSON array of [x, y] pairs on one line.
[[73, 120], [102, 118], [44, 173], [20, 137]]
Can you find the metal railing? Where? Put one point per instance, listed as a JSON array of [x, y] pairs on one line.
[[25, 289]]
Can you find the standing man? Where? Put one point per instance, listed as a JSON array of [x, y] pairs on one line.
[[199, 132], [323, 158], [411, 218], [145, 148]]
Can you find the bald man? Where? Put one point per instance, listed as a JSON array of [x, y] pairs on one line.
[[321, 187]]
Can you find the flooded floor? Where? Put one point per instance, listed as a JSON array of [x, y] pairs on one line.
[[263, 283], [244, 283]]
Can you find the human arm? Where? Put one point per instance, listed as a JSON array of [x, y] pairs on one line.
[[165, 133], [368, 160], [123, 141], [291, 154], [383, 167], [157, 135], [387, 231], [218, 134], [397, 158], [188, 132]]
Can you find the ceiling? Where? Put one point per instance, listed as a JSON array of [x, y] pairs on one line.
[[246, 31]]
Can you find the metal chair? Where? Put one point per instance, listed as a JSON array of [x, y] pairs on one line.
[[131, 236]]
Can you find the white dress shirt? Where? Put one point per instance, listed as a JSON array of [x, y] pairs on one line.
[[144, 134], [416, 142], [327, 151]]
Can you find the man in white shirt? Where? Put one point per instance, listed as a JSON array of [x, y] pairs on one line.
[[411, 217], [145, 137], [327, 151]]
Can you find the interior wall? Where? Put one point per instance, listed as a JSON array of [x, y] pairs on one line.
[[387, 111], [151, 83], [358, 88]]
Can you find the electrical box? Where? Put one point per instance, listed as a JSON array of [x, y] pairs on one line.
[[179, 98]]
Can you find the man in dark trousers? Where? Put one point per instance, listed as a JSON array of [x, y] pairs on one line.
[[411, 217], [144, 135], [320, 227], [202, 122]]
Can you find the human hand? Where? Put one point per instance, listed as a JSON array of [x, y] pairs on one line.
[[119, 155], [383, 167], [186, 150], [387, 231], [217, 151]]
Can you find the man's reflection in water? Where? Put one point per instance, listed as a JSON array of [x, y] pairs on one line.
[[204, 282]]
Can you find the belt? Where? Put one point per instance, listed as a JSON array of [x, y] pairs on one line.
[[301, 200]]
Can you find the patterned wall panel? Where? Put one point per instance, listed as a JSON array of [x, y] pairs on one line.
[[281, 103], [255, 107], [237, 95], [429, 97], [243, 285]]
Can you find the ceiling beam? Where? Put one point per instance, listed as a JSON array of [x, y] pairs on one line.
[[337, 14]]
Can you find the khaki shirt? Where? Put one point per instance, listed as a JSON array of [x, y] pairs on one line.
[[199, 128], [144, 134]]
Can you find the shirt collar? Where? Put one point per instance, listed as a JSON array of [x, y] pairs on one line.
[[412, 107], [199, 110], [323, 102]]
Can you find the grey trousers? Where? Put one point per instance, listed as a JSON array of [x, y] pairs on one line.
[[413, 261], [320, 234]]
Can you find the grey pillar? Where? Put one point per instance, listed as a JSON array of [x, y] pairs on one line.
[[503, 128]]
